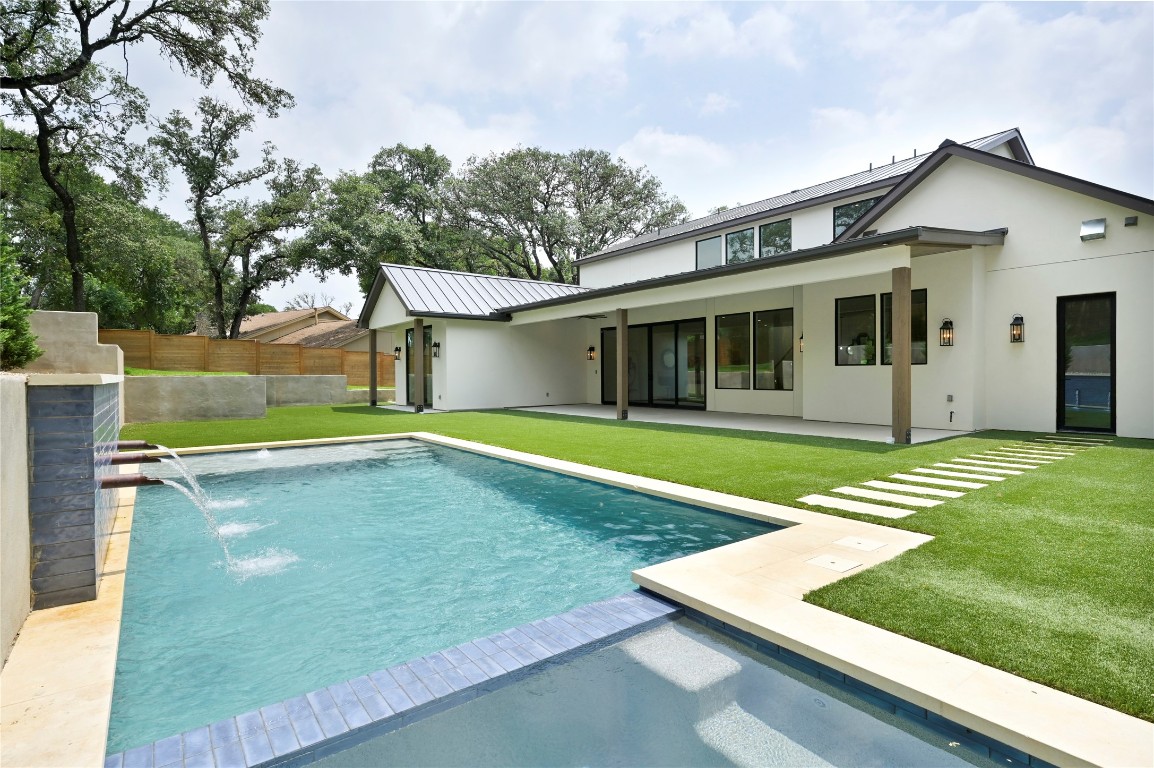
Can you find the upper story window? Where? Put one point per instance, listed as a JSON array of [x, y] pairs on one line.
[[776, 238], [709, 253], [845, 215], [739, 246]]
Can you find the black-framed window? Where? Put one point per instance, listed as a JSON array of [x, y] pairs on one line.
[[856, 329], [731, 351], [709, 253], [776, 237], [919, 348], [739, 246], [773, 349], [845, 215], [667, 364]]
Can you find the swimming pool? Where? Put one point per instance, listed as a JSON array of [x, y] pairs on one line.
[[331, 562], [676, 695]]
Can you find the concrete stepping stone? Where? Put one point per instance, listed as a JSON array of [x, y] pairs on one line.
[[986, 470], [980, 463], [941, 480], [1082, 446], [850, 505], [896, 498], [1081, 438], [914, 489], [1034, 452], [1011, 456], [971, 472]]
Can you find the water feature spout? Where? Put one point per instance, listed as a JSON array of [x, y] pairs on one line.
[[128, 481], [135, 445], [133, 458]]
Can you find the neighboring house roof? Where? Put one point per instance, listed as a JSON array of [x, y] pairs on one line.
[[441, 293], [875, 178], [950, 149], [259, 325], [327, 333]]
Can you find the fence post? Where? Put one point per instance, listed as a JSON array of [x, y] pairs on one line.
[[204, 353], [151, 346], [258, 370], [300, 360]]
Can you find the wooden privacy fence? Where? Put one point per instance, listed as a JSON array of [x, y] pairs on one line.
[[148, 349]]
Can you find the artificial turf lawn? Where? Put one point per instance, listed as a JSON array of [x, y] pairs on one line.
[[1046, 575]]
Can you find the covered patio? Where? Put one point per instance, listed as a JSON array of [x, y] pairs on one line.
[[788, 425]]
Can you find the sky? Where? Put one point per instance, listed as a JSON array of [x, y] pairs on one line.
[[725, 103]]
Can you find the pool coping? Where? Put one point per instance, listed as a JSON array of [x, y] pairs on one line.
[[763, 598]]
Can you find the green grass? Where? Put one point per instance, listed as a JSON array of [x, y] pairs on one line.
[[1047, 575], [149, 372]]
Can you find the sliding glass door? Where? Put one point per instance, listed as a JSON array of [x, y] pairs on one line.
[[1086, 364], [666, 364]]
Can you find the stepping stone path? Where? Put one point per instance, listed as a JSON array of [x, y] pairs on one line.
[[952, 479]]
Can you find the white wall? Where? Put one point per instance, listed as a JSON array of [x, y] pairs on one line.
[[15, 537], [862, 394], [496, 365], [1042, 259], [811, 227]]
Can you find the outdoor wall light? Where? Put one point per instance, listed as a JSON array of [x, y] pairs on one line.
[[397, 352], [436, 349], [1093, 229], [591, 353], [946, 333], [1017, 329]]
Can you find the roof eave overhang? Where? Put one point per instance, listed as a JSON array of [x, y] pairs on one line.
[[498, 316], [736, 222], [951, 239]]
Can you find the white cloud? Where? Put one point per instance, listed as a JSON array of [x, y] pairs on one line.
[[716, 104], [708, 31]]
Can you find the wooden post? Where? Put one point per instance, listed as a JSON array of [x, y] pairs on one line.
[[258, 360], [372, 366], [622, 364], [151, 344], [418, 365], [900, 308]]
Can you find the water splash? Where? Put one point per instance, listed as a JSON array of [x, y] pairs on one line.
[[263, 454], [266, 563]]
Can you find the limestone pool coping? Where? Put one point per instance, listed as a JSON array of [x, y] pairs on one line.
[[56, 689]]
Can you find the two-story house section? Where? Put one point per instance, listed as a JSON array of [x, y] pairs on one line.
[[964, 289]]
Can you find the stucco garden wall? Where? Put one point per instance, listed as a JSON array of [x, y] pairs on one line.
[[15, 540], [203, 398]]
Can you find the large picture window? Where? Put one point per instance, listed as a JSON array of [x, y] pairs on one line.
[[845, 215], [709, 253], [776, 238], [732, 351], [773, 349], [918, 329], [856, 329], [739, 246]]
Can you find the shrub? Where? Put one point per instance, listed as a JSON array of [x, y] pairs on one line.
[[17, 344]]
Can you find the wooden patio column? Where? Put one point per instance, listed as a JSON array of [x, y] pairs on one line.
[[373, 367], [900, 323], [622, 364], [418, 365]]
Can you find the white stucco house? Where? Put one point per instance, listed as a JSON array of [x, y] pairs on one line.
[[964, 289]]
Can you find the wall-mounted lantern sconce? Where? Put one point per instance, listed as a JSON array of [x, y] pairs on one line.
[[801, 343], [1093, 229], [1017, 329], [397, 352], [946, 333], [436, 349], [591, 353]]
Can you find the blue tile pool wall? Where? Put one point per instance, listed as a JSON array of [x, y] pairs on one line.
[[980, 744], [72, 434], [302, 730]]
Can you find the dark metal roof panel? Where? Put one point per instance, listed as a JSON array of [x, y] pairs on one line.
[[463, 294]]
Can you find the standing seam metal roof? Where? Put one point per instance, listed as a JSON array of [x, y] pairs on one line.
[[442, 292], [894, 171]]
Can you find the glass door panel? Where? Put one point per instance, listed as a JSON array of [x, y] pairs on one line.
[[664, 364], [1086, 336], [691, 363], [639, 365], [609, 366], [410, 359]]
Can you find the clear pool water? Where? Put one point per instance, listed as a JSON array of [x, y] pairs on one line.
[[677, 695], [332, 562]]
